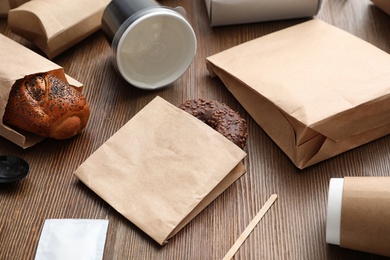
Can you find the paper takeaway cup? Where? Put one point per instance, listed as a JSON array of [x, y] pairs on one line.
[[250, 11], [153, 45], [358, 215]]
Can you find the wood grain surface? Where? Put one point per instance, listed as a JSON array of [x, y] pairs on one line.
[[294, 227]]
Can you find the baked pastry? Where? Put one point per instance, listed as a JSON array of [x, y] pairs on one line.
[[220, 117], [45, 105]]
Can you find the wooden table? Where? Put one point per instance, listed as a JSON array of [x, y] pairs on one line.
[[294, 228]]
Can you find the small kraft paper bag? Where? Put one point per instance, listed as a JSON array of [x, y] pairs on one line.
[[55, 26], [17, 62], [162, 168], [315, 89]]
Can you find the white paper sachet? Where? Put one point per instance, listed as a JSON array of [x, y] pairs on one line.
[[72, 239]]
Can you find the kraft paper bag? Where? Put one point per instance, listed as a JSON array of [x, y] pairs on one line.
[[315, 89], [227, 12], [383, 4], [55, 26], [17, 62], [162, 168]]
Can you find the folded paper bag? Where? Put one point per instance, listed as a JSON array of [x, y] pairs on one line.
[[17, 62], [315, 89], [162, 168], [54, 26]]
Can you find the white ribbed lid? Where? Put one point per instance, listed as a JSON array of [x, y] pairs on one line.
[[156, 49], [334, 211]]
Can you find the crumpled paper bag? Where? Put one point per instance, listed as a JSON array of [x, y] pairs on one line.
[[55, 26], [162, 168], [17, 62], [227, 12], [315, 89]]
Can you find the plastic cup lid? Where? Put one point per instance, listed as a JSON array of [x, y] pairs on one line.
[[12, 168], [156, 49]]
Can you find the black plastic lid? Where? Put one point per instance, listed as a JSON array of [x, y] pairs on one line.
[[12, 168]]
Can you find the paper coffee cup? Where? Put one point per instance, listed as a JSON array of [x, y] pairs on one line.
[[251, 11], [153, 45], [358, 214]]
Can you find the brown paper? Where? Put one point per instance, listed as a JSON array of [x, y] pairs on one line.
[[365, 215], [316, 90], [17, 62], [383, 4], [54, 26], [162, 168]]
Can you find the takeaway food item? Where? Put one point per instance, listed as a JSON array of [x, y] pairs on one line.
[[14, 68], [220, 117], [47, 106]]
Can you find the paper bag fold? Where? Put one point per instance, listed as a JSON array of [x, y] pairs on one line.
[[162, 168], [54, 26], [316, 90], [17, 62]]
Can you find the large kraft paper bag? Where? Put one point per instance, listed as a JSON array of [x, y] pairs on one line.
[[315, 89], [55, 26], [17, 62], [162, 168]]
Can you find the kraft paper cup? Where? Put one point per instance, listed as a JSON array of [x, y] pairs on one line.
[[358, 214], [153, 45]]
